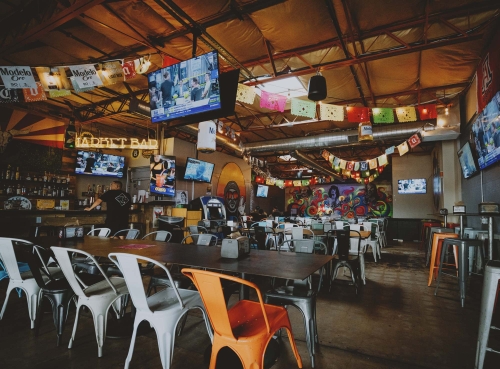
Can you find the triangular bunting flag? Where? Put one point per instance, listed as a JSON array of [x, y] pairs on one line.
[[331, 112], [406, 114], [414, 140], [403, 148], [129, 70], [357, 115], [383, 115], [363, 165], [342, 164], [245, 94], [77, 87], [356, 166], [427, 111], [325, 154], [34, 94], [111, 73], [382, 160], [85, 75], [272, 101], [372, 163], [303, 108]]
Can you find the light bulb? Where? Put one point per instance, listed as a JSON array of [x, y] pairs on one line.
[[446, 111]]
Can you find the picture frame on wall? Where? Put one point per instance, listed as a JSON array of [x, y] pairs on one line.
[[157, 211], [181, 197]]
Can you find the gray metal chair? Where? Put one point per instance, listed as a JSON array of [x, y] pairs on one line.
[[347, 258], [163, 236], [100, 232], [129, 234]]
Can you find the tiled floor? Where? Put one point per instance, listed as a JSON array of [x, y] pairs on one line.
[[395, 322]]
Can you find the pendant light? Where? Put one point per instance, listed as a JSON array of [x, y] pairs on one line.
[[316, 90]]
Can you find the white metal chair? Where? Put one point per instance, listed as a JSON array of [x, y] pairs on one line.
[[100, 232], [25, 281], [129, 234], [205, 239], [163, 310], [374, 240], [98, 298], [163, 236]]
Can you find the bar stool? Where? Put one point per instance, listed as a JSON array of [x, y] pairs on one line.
[[490, 288], [436, 244], [429, 243], [426, 224], [463, 261], [475, 234]]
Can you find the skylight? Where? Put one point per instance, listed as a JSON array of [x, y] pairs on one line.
[[290, 87]]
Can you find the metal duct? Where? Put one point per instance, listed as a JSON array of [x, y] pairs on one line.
[[390, 132], [306, 160], [221, 140]]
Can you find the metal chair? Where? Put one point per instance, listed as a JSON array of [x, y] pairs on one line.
[[247, 327], [347, 258], [164, 310], [129, 234], [163, 236], [205, 239], [100, 232], [373, 241], [98, 297], [194, 230]]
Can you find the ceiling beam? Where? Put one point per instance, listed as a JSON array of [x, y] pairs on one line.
[[39, 31]]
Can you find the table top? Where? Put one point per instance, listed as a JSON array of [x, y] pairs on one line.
[[286, 265]]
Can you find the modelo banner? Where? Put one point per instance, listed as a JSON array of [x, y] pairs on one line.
[[85, 75], [17, 77]]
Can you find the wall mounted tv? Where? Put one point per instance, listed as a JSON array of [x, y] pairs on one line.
[[186, 88], [198, 170], [262, 190], [162, 175], [412, 186], [97, 164], [486, 132], [467, 162]]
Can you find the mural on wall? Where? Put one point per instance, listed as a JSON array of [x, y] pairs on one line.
[[345, 200], [231, 188]]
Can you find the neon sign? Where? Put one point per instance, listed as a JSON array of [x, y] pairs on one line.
[[116, 143]]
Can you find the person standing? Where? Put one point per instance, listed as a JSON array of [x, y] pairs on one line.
[[208, 86], [89, 163], [166, 90], [196, 90], [118, 202]]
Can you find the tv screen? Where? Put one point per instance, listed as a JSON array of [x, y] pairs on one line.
[[198, 170], [162, 175], [467, 162], [486, 132], [412, 186], [262, 190], [186, 88], [97, 164]]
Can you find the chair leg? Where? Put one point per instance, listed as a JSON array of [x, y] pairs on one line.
[[294, 347], [9, 289], [32, 307], [39, 317], [132, 343], [165, 346], [362, 267], [75, 325]]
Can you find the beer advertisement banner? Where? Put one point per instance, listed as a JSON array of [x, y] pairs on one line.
[[17, 77], [34, 94], [488, 79], [85, 75], [111, 73]]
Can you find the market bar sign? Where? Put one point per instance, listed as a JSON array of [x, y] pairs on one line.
[[116, 143]]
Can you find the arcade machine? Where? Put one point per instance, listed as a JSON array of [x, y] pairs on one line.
[[213, 212]]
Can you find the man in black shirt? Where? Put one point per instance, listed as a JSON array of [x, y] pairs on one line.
[[89, 165], [166, 90], [118, 202]]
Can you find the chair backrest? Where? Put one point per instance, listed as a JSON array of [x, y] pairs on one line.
[[201, 239], [130, 234], [328, 227], [35, 259], [63, 256], [100, 232], [318, 226], [129, 266], [339, 224], [209, 286], [164, 236], [297, 233], [299, 245], [8, 256], [344, 243], [356, 227]]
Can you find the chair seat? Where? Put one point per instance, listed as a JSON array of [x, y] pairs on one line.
[[247, 321], [55, 272], [166, 300], [103, 289]]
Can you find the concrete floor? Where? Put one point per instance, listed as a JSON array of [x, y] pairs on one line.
[[394, 322]]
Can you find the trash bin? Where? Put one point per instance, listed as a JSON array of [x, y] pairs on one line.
[[173, 225]]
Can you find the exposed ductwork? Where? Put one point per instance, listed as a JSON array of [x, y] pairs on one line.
[[306, 160]]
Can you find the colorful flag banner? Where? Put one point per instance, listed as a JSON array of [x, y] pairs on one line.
[[85, 75], [305, 182], [342, 164], [77, 88], [270, 181], [288, 183], [406, 114], [111, 73], [363, 165], [34, 94], [303, 108], [167, 61], [59, 93], [357, 115], [330, 158], [383, 115], [297, 183], [17, 77], [53, 78], [356, 166], [8, 95], [331, 112], [390, 150], [382, 160], [372, 163], [403, 148], [279, 183], [350, 165], [245, 94], [325, 154], [372, 177], [336, 162], [129, 70], [427, 111], [365, 173], [272, 101], [142, 65], [414, 140]]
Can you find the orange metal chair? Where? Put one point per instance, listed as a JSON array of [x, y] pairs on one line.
[[247, 327], [426, 225], [437, 242]]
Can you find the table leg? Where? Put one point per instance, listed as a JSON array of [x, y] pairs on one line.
[[244, 292]]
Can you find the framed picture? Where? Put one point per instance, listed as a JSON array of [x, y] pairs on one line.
[[157, 211], [181, 197]]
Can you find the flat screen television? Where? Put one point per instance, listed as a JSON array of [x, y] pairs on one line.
[[186, 88], [98, 164], [486, 132], [412, 186], [198, 170], [162, 175], [262, 190], [467, 162]]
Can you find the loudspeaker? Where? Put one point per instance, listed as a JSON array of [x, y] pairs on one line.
[[317, 88]]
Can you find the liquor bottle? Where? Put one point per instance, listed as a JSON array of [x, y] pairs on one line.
[[7, 173], [54, 192], [63, 179], [18, 174], [18, 189], [2, 191], [44, 190], [9, 190], [67, 179], [28, 178], [35, 191], [45, 176], [23, 190]]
